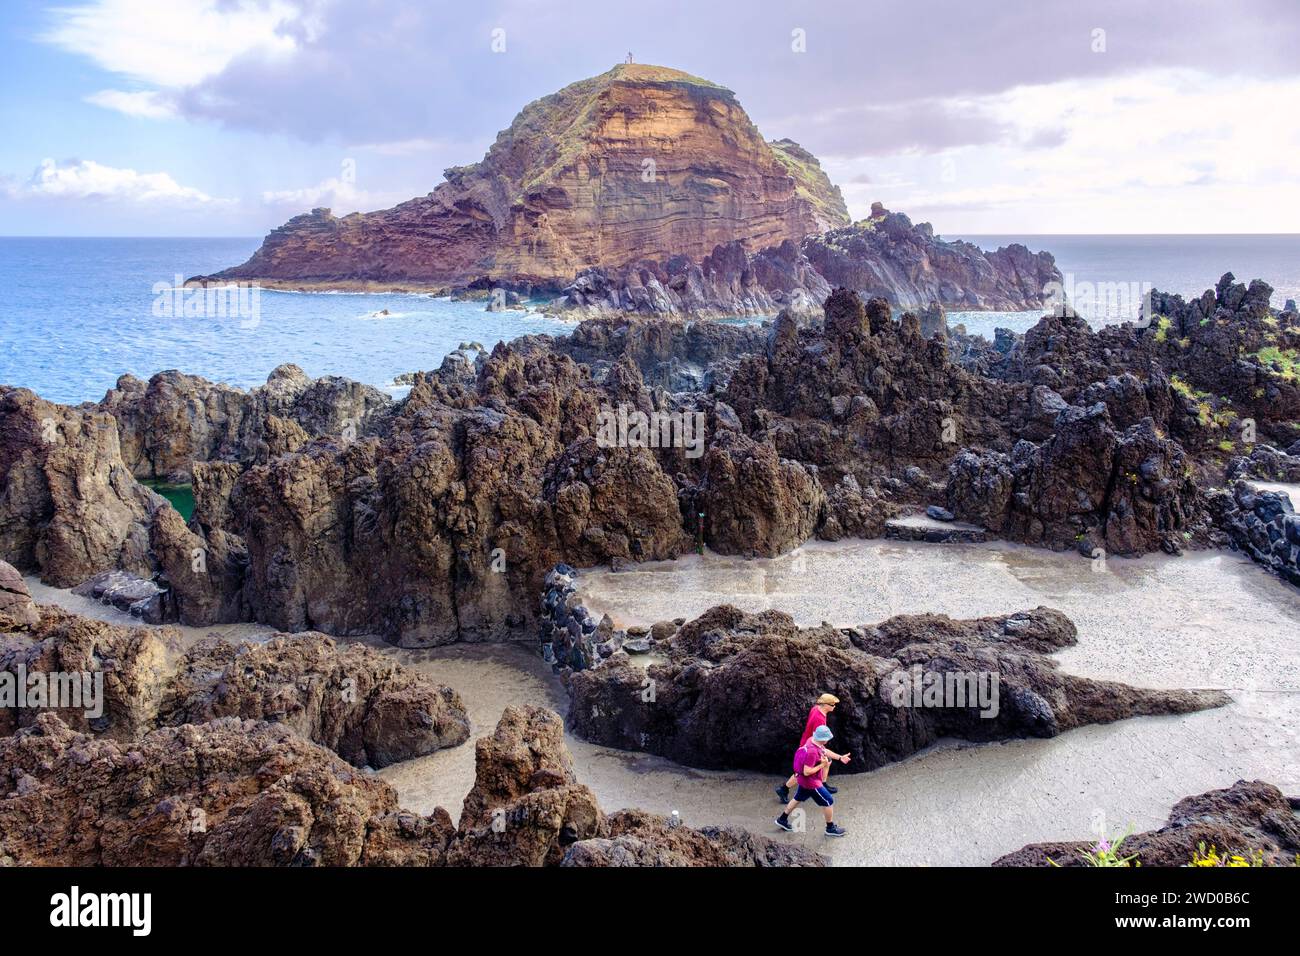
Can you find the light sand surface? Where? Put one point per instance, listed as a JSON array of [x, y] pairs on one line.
[[1292, 491], [1207, 619]]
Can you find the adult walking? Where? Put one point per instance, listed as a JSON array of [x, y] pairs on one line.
[[824, 706], [811, 761]]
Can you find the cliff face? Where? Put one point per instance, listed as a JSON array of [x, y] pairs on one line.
[[638, 163]]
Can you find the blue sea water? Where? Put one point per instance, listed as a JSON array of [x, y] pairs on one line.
[[77, 313], [1187, 265]]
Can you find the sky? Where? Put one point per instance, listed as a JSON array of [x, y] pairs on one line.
[[1015, 117]]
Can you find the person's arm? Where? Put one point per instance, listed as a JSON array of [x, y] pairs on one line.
[[813, 770]]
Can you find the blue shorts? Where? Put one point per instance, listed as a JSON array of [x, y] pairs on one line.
[[820, 796]]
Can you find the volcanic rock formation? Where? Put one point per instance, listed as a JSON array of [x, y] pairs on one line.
[[1263, 524], [436, 518], [1246, 819], [902, 685], [641, 162], [885, 255], [647, 191], [352, 699], [233, 792]]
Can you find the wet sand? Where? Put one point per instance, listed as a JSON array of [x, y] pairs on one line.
[[89, 607], [1208, 619], [1203, 620]]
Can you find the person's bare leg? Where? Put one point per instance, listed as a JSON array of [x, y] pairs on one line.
[[789, 784], [828, 813]]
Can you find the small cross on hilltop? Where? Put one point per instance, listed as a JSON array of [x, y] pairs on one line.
[[629, 58]]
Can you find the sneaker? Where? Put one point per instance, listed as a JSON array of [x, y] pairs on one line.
[[830, 789], [832, 829], [783, 793], [784, 823]]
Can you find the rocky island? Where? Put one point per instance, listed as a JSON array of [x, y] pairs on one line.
[[643, 190]]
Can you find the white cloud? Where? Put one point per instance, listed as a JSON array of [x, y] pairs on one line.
[[339, 194], [88, 180], [177, 43], [147, 104], [1155, 151]]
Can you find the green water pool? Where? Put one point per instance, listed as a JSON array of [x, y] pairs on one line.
[[181, 496]]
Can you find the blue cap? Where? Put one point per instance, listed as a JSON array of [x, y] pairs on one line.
[[822, 734]]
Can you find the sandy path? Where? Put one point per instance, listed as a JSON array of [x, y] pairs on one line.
[[1202, 620]]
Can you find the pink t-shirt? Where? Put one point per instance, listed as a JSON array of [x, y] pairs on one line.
[[809, 755], [815, 719]]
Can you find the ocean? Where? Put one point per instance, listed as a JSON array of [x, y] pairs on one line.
[[1108, 274], [77, 313]]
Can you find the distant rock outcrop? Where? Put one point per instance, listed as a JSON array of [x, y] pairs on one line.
[[639, 163], [885, 255], [645, 191]]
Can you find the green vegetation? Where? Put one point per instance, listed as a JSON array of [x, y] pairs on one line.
[[811, 182], [1212, 857], [1163, 324], [1206, 413], [1285, 361], [1105, 853]]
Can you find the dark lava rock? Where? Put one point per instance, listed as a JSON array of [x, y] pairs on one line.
[[1246, 818], [736, 687]]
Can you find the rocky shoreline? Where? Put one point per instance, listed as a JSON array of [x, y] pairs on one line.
[[323, 505], [903, 684], [459, 513], [234, 755]]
